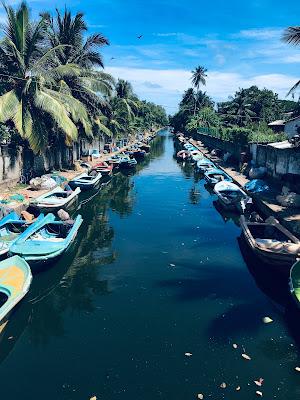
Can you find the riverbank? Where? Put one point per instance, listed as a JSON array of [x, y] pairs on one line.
[[25, 192], [265, 203]]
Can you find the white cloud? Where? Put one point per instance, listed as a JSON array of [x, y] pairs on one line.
[[166, 86], [259, 34]]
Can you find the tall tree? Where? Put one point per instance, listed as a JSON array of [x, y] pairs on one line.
[[198, 78], [30, 98]]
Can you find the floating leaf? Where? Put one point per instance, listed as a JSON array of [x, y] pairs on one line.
[[235, 346], [238, 388], [246, 357], [93, 398], [223, 385], [259, 382], [258, 393], [172, 265], [297, 369], [200, 396], [188, 354], [267, 320]]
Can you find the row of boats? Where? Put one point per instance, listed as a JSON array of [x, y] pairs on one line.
[[32, 242], [272, 244]]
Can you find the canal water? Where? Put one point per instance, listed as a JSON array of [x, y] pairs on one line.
[[156, 272]]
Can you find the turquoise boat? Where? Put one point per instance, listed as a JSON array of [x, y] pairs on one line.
[[215, 175], [205, 164], [12, 226], [15, 280], [295, 282], [48, 242]]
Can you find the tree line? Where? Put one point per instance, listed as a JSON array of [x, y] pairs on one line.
[[246, 114], [53, 86]]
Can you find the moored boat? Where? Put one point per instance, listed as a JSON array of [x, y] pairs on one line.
[[11, 227], [271, 242], [49, 241], [215, 175], [295, 282], [86, 181], [55, 199], [104, 167], [183, 155], [205, 164], [127, 162], [196, 155], [15, 280], [231, 196]]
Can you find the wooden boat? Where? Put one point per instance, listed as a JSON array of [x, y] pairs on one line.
[[295, 282], [215, 175], [127, 162], [15, 280], [271, 242], [85, 181], [231, 196], [48, 242], [183, 155], [104, 167], [55, 199], [196, 155], [205, 164], [11, 227]]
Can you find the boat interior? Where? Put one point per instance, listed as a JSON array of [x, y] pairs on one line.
[[54, 232], [263, 231], [12, 229]]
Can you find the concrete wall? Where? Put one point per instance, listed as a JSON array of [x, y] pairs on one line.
[[279, 162], [234, 148], [291, 127], [14, 160]]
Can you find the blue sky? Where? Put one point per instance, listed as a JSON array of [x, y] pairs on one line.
[[237, 41]]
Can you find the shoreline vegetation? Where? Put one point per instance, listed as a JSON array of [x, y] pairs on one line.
[[54, 88]]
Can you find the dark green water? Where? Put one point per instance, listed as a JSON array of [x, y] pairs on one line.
[[113, 319]]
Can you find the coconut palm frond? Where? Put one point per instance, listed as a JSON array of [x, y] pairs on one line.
[[9, 104], [292, 35], [58, 113]]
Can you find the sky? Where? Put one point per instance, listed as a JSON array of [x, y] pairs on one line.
[[239, 42]]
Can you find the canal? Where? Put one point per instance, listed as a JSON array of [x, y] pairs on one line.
[[149, 301]]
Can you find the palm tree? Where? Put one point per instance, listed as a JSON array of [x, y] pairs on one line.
[[67, 30], [77, 57], [292, 36], [124, 96], [198, 78], [30, 97]]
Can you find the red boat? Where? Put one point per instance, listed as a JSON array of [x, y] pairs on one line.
[[103, 167]]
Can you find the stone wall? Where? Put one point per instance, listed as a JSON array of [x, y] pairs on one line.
[[279, 162], [236, 149]]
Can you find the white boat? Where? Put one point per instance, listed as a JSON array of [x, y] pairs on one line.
[[85, 181], [231, 196], [55, 199], [204, 164]]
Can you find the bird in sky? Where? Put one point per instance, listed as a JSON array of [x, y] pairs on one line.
[[112, 58], [140, 37]]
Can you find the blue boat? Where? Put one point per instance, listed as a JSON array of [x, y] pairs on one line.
[[50, 240], [12, 226], [127, 162], [205, 164], [215, 175]]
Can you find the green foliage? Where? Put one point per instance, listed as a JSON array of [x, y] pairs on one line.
[[50, 89]]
